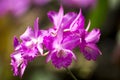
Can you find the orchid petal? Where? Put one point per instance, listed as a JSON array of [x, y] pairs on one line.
[[27, 35], [78, 23], [22, 68], [70, 41], [36, 28], [93, 36], [91, 51], [68, 19], [16, 42], [40, 48], [55, 17]]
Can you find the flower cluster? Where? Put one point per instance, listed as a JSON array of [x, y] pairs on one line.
[[67, 33]]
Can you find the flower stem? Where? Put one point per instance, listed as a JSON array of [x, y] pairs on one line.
[[72, 75]]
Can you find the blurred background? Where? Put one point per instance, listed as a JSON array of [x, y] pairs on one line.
[[16, 15]]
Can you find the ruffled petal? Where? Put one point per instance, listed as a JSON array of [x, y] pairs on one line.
[[22, 68], [62, 58], [16, 61], [30, 53], [90, 51]]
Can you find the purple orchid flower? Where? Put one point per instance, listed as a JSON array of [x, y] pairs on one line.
[[58, 53], [88, 45], [27, 50], [33, 39], [18, 63]]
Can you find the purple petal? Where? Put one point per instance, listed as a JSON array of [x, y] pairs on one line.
[[40, 48], [61, 61], [26, 36], [22, 68], [16, 42], [55, 17], [78, 22], [48, 57], [90, 51], [30, 53], [36, 28], [70, 41], [16, 60], [70, 52], [68, 19], [59, 35], [51, 15], [48, 41], [93, 36], [14, 67]]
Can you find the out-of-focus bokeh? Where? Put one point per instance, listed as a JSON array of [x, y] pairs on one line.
[[16, 15]]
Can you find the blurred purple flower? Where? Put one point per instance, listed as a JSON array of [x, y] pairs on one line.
[[3, 8], [41, 2], [16, 7], [79, 3]]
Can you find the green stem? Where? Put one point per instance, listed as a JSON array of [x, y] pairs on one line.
[[72, 75]]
